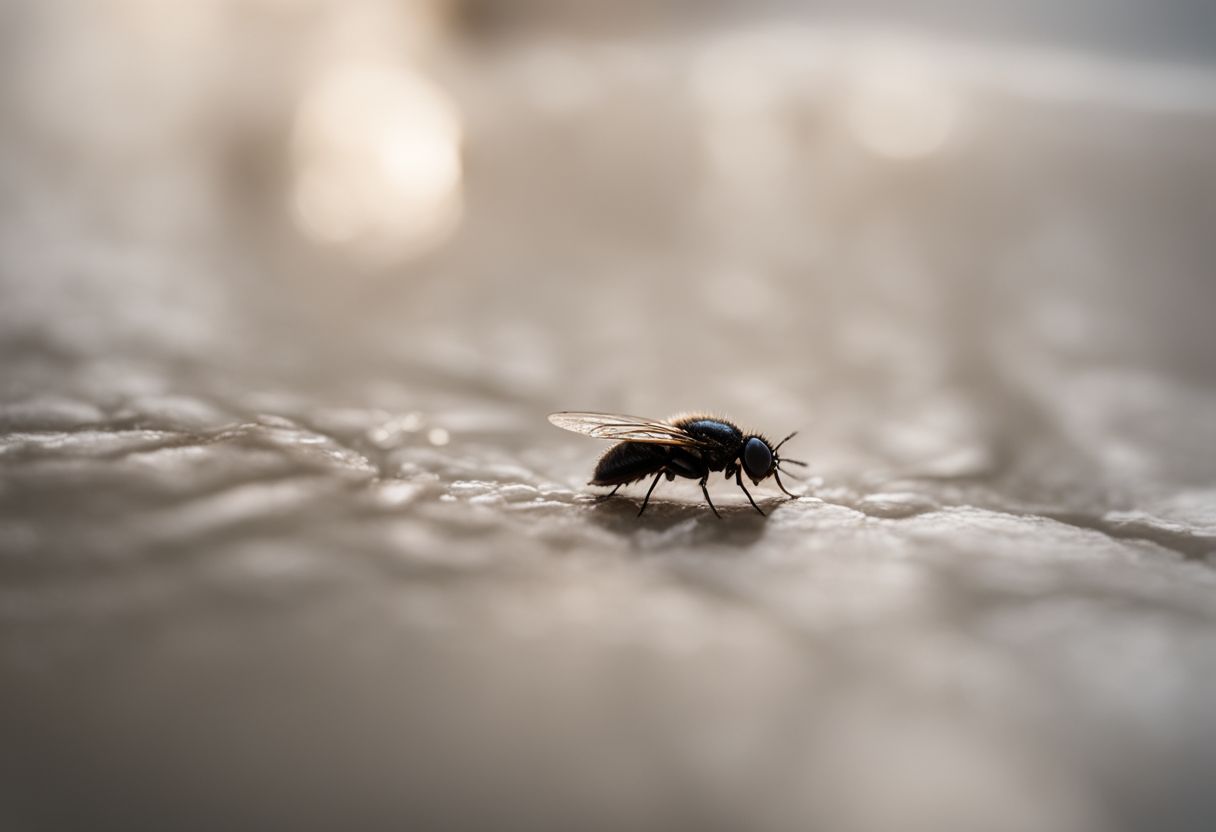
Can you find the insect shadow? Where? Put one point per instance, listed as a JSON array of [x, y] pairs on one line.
[[619, 515]]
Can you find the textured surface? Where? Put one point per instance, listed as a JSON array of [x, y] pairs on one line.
[[285, 541]]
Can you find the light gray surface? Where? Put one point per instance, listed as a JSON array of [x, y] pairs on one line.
[[287, 540]]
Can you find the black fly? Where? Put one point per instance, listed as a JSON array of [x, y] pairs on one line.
[[686, 446]]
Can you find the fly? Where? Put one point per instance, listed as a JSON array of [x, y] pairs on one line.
[[692, 446]]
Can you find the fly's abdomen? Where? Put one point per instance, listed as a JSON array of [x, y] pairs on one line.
[[628, 462]]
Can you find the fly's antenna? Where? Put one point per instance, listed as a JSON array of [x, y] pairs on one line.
[[780, 460]]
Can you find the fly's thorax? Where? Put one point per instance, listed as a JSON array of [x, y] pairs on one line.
[[706, 429]]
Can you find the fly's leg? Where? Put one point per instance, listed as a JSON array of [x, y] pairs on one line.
[[781, 485], [739, 480], [705, 491], [603, 497], [657, 477]]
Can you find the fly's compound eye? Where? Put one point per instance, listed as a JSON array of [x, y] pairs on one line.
[[757, 458]]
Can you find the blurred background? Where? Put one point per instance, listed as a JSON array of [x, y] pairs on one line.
[[288, 287]]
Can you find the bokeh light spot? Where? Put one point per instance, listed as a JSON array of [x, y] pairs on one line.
[[900, 108], [377, 162]]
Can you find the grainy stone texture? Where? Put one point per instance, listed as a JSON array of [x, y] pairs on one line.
[[287, 543]]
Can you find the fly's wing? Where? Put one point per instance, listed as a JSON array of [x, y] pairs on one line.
[[620, 428]]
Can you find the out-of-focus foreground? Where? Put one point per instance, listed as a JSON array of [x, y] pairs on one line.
[[287, 288]]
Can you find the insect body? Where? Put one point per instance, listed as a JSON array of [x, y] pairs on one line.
[[686, 446]]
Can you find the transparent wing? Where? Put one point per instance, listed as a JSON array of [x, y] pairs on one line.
[[622, 428]]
